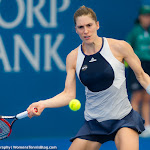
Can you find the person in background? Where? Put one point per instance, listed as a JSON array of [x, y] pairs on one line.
[[139, 39]]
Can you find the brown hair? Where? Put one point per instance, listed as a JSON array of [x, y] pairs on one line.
[[83, 10]]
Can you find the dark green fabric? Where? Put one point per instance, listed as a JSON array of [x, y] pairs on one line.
[[139, 39]]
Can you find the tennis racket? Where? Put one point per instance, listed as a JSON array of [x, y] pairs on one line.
[[6, 127]]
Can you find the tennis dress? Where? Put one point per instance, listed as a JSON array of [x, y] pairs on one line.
[[107, 106]]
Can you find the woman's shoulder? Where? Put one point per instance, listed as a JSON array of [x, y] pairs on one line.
[[116, 43], [73, 52], [72, 57], [118, 47]]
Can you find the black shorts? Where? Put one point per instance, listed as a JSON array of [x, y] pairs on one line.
[[133, 84], [106, 130]]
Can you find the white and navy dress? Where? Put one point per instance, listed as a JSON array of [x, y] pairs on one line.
[[107, 107]]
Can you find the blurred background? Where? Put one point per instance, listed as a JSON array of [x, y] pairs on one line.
[[35, 38]]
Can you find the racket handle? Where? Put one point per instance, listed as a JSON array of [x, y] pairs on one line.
[[25, 114], [22, 115]]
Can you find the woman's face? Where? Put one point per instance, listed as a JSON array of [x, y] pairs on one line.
[[86, 28], [145, 20]]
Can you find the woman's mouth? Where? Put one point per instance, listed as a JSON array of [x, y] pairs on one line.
[[86, 37]]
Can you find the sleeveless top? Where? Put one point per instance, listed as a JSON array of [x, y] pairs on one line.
[[105, 84]]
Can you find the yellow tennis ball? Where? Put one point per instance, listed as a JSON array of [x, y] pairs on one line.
[[74, 105], [126, 64]]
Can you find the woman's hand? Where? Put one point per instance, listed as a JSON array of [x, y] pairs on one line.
[[35, 109]]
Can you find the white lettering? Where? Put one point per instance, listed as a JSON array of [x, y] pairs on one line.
[[16, 22], [37, 12], [32, 53], [20, 45], [51, 52], [65, 5], [3, 57], [53, 16]]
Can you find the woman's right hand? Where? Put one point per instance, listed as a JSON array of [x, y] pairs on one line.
[[35, 109]]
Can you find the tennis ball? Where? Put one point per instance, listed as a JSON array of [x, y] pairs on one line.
[[126, 64], [74, 105]]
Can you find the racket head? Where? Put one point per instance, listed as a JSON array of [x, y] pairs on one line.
[[5, 129]]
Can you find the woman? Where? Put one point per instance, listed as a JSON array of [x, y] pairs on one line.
[[98, 63], [139, 39]]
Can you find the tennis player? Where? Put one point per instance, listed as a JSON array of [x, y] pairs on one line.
[[98, 62]]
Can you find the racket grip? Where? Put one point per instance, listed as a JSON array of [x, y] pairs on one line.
[[22, 115]]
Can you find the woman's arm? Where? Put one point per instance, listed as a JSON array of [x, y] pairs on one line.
[[131, 58], [65, 96]]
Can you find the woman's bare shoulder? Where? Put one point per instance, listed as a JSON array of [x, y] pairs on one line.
[[72, 57], [117, 43]]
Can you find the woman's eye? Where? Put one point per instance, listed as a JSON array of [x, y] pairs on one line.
[[89, 25], [80, 27]]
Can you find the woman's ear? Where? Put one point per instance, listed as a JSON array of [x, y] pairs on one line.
[[76, 30], [98, 26]]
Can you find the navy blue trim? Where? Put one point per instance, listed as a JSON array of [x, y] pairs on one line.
[[102, 44], [96, 52]]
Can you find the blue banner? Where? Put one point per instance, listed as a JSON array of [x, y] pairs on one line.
[[35, 38]]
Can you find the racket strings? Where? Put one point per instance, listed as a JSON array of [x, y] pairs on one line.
[[4, 129]]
